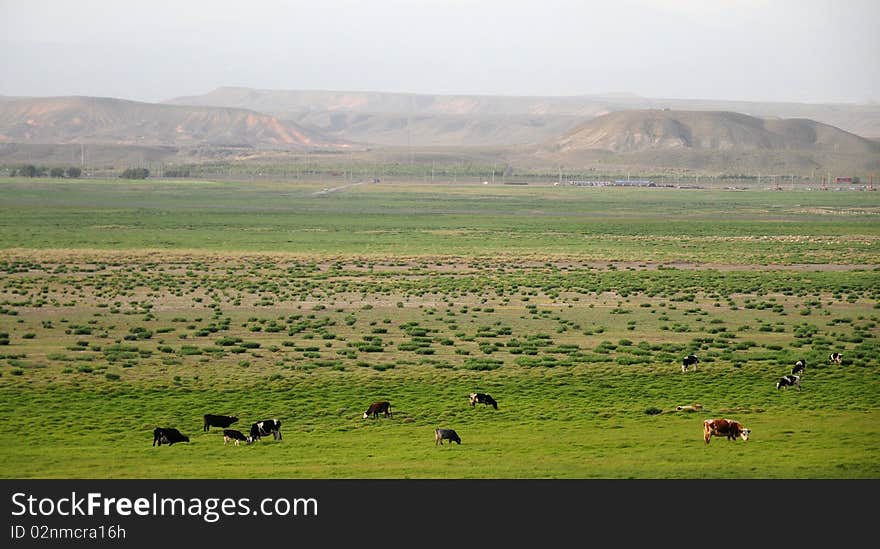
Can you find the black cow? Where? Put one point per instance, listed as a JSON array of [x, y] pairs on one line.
[[266, 427], [168, 435], [799, 367], [237, 436], [445, 434], [218, 421], [688, 361], [377, 408], [483, 398], [789, 381], [836, 358]]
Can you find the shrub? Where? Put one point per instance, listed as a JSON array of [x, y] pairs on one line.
[[135, 173], [482, 364]]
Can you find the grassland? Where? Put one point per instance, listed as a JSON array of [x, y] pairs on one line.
[[126, 306]]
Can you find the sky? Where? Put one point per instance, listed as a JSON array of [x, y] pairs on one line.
[[814, 51]]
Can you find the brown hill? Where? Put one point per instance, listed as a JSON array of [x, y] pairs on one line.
[[714, 141], [98, 120], [641, 130]]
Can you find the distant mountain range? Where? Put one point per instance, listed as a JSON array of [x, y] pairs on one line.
[[362, 116], [606, 131]]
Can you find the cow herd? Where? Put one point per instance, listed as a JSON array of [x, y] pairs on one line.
[[266, 427], [721, 427], [731, 429]]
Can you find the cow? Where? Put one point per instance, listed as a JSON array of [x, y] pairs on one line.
[[236, 436], [218, 421], [689, 408], [688, 361], [483, 398], [837, 358], [789, 381], [168, 435], [724, 428], [376, 408], [799, 367], [445, 434], [265, 428]]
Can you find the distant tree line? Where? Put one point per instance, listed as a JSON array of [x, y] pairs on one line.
[[30, 170], [135, 173]]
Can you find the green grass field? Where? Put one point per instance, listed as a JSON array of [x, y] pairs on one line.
[[126, 306]]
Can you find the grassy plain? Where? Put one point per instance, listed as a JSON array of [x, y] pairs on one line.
[[126, 306]]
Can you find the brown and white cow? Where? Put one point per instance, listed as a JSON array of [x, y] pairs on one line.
[[377, 408], [724, 428]]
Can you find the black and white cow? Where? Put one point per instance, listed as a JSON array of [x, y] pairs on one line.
[[376, 408], [236, 436], [799, 367], [837, 358], [445, 434], [212, 420], [167, 435], [483, 398], [789, 381], [265, 428], [688, 361]]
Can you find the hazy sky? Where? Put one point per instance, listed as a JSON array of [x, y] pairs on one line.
[[761, 50]]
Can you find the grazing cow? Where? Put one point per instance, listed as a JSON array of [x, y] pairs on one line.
[[689, 408], [237, 436], [724, 428], [168, 435], [377, 408], [218, 421], [788, 381], [265, 428], [837, 358], [445, 434], [688, 361], [483, 398], [799, 367]]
